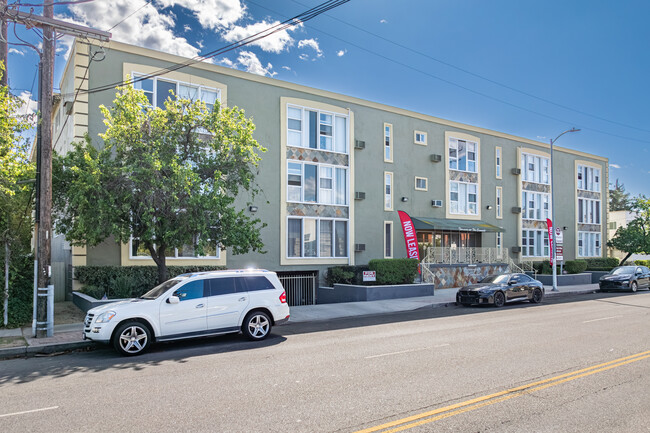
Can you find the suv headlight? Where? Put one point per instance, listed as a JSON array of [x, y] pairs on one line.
[[105, 317]]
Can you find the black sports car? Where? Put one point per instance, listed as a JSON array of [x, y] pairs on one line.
[[499, 289], [625, 278]]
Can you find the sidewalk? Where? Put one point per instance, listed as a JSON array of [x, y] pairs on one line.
[[19, 342]]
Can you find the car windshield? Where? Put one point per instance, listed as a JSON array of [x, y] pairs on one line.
[[623, 270], [162, 288], [495, 279]]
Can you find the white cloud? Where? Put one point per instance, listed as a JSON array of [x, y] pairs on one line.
[[211, 14], [286, 68], [252, 64], [341, 53], [187, 28], [311, 43], [614, 165], [15, 51], [29, 106], [225, 61], [383, 21], [275, 43], [303, 57]]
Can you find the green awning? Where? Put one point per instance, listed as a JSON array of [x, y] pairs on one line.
[[454, 225]]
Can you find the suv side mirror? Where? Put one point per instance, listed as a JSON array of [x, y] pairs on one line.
[[173, 300]]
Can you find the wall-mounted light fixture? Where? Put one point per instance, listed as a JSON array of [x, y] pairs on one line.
[[405, 199], [488, 207], [565, 228], [252, 208]]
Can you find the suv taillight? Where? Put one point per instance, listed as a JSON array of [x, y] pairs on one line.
[[283, 297]]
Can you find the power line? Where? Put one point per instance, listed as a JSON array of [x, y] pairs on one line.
[[52, 3], [130, 15]]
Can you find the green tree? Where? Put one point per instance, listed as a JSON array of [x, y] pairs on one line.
[[635, 238], [15, 190], [619, 199], [168, 178]]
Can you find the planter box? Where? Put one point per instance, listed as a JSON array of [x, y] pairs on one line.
[[566, 280], [353, 293], [85, 302]]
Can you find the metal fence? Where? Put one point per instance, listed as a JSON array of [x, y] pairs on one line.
[[300, 288], [464, 255]]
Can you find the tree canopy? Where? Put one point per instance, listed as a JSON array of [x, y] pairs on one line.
[[635, 238], [168, 178], [619, 199]]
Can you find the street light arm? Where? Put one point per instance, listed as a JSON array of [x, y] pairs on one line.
[[568, 130]]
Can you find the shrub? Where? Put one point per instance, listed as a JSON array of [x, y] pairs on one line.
[[21, 289], [575, 266], [394, 271], [544, 268], [94, 291], [642, 262], [345, 275], [126, 281], [607, 263]]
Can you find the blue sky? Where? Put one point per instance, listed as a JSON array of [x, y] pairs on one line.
[[532, 69]]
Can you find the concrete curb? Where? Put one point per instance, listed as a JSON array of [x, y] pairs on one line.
[[29, 351]]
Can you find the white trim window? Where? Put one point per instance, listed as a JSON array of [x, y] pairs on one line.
[[589, 244], [588, 178], [499, 200], [420, 137], [497, 162], [317, 183], [388, 191], [317, 238], [463, 198], [157, 90], [588, 211], [534, 243], [421, 183], [499, 243], [462, 155], [388, 239], [137, 250], [388, 142], [316, 129], [535, 205], [535, 168]]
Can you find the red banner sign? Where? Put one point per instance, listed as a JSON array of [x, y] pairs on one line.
[[551, 245], [409, 236]]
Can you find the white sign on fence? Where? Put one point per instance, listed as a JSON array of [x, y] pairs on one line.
[[369, 276]]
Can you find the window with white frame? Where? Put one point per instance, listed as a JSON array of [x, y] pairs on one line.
[[137, 250], [588, 178], [421, 183], [497, 162], [317, 183], [588, 211], [157, 90], [462, 155], [499, 202], [388, 190], [317, 129], [535, 205], [317, 238], [463, 198], [589, 244], [534, 243], [535, 168], [499, 243], [388, 142], [420, 138], [388, 239]]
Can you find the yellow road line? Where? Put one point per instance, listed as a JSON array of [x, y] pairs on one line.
[[486, 400]]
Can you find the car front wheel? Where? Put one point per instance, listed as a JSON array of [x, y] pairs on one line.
[[257, 326], [537, 296], [634, 286], [499, 299], [132, 338]]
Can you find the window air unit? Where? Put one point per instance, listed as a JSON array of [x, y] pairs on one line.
[[516, 249], [359, 144], [516, 171], [436, 203], [516, 209], [436, 157], [359, 247], [359, 195]]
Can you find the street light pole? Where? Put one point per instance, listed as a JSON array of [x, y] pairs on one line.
[[552, 240]]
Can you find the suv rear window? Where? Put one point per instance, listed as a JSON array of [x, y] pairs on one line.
[[253, 284]]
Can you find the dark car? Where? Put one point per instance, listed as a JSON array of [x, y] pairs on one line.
[[629, 278], [499, 289]]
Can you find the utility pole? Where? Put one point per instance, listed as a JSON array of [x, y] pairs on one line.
[[49, 27]]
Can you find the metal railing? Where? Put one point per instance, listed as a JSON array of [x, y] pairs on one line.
[[463, 255], [300, 288]]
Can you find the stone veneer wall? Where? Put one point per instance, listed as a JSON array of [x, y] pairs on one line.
[[461, 275]]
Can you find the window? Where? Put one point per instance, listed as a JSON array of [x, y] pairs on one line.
[[499, 204], [317, 183], [611, 225], [255, 284], [497, 157], [462, 155], [388, 142], [317, 237], [157, 90], [388, 239], [534, 243], [421, 183], [222, 286], [499, 243], [190, 290], [420, 138], [589, 244], [535, 205], [588, 178], [137, 250], [317, 129], [588, 211], [388, 190], [535, 168], [463, 198]]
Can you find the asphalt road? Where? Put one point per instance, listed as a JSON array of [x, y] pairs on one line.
[[578, 364]]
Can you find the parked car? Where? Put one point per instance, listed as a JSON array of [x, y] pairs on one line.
[[629, 278], [499, 289], [192, 305]]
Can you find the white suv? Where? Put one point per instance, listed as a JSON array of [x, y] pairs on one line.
[[192, 305]]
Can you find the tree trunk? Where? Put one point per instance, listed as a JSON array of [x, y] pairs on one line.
[[159, 258], [626, 257], [6, 300]]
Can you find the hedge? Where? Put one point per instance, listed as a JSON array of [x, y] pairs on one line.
[[607, 263], [394, 271], [345, 275], [642, 262], [575, 266], [127, 281], [21, 289]]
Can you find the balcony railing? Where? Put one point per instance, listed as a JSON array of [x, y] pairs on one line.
[[463, 255]]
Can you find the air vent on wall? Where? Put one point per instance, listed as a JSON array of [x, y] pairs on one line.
[[359, 247], [359, 195], [516, 209], [359, 144], [436, 203], [436, 157], [516, 171], [516, 249]]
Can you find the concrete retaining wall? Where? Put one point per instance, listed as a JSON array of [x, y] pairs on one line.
[[595, 276], [566, 280], [353, 293], [85, 302], [459, 275]]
